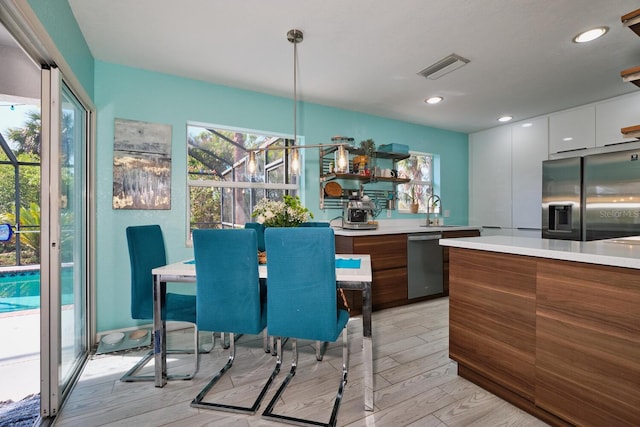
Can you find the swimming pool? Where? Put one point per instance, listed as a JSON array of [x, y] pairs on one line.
[[20, 289]]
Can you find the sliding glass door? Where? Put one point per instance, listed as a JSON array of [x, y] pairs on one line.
[[66, 212], [64, 278]]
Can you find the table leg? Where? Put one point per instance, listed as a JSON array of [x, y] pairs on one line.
[[159, 332], [367, 347]]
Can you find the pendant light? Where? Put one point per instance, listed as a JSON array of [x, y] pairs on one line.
[[342, 162], [295, 36], [295, 161], [252, 163]]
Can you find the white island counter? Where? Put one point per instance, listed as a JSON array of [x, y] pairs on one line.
[[623, 252]]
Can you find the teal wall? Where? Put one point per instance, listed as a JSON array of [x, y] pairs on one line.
[[134, 94], [128, 93], [58, 19]]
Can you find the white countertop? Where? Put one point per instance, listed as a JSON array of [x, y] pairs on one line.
[[622, 252], [401, 227]]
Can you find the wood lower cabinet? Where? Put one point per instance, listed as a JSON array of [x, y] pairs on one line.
[[588, 343], [492, 317], [388, 264], [445, 254], [559, 339], [389, 267]]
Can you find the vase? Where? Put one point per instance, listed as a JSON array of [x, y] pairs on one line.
[[414, 207]]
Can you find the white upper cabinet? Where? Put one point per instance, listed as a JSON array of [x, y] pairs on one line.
[[529, 147], [615, 114], [490, 178], [572, 130]]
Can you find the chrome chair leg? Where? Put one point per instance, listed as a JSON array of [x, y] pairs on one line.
[[266, 341], [268, 412], [199, 403], [225, 345], [130, 375], [203, 350], [321, 347]]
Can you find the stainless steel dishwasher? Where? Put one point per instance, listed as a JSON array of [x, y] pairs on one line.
[[424, 264]]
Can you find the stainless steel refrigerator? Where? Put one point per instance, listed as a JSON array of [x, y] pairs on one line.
[[592, 197]]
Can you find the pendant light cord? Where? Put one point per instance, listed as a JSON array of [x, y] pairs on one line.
[[295, 37]]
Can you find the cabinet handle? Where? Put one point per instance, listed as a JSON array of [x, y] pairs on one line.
[[425, 237], [573, 149]]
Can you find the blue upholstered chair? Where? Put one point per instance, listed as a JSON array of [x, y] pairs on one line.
[[259, 233], [229, 296], [320, 346], [302, 300], [146, 252]]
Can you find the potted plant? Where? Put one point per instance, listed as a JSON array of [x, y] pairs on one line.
[[413, 200]]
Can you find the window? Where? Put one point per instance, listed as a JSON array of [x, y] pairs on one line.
[[419, 168], [221, 189]]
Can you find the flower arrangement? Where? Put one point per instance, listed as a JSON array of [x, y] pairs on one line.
[[288, 212]]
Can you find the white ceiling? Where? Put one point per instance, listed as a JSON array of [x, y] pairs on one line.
[[363, 55]]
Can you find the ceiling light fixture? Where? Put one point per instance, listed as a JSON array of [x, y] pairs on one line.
[[444, 66], [434, 100], [295, 36], [504, 119], [590, 35]]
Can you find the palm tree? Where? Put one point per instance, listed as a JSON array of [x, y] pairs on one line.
[[28, 136]]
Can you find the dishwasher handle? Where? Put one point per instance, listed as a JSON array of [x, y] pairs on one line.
[[423, 237]]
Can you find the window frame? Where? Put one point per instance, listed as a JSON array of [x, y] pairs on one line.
[[289, 186], [403, 207]]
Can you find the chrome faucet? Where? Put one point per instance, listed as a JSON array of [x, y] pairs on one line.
[[433, 199]]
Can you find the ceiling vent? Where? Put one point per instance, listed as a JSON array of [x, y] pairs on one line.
[[444, 66]]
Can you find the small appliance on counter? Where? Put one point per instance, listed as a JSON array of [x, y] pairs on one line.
[[359, 215]]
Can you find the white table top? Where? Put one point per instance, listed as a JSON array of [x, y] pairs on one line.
[[187, 269], [621, 252]]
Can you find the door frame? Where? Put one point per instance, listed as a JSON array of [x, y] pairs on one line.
[[23, 24]]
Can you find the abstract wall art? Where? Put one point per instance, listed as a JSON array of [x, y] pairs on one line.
[[141, 165]]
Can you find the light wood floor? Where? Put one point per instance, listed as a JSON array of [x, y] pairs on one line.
[[416, 384]]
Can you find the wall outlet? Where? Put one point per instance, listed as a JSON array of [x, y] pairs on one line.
[[447, 213]]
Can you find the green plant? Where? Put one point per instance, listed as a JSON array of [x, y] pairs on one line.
[[414, 199], [28, 217], [410, 196], [368, 146]]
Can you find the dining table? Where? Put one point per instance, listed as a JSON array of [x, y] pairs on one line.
[[353, 272]]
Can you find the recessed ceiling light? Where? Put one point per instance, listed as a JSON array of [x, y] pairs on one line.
[[505, 118], [568, 138], [433, 100], [589, 35], [527, 125]]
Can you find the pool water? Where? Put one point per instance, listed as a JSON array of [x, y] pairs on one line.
[[20, 290]]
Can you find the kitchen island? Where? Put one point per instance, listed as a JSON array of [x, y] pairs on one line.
[[387, 246], [551, 326]]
